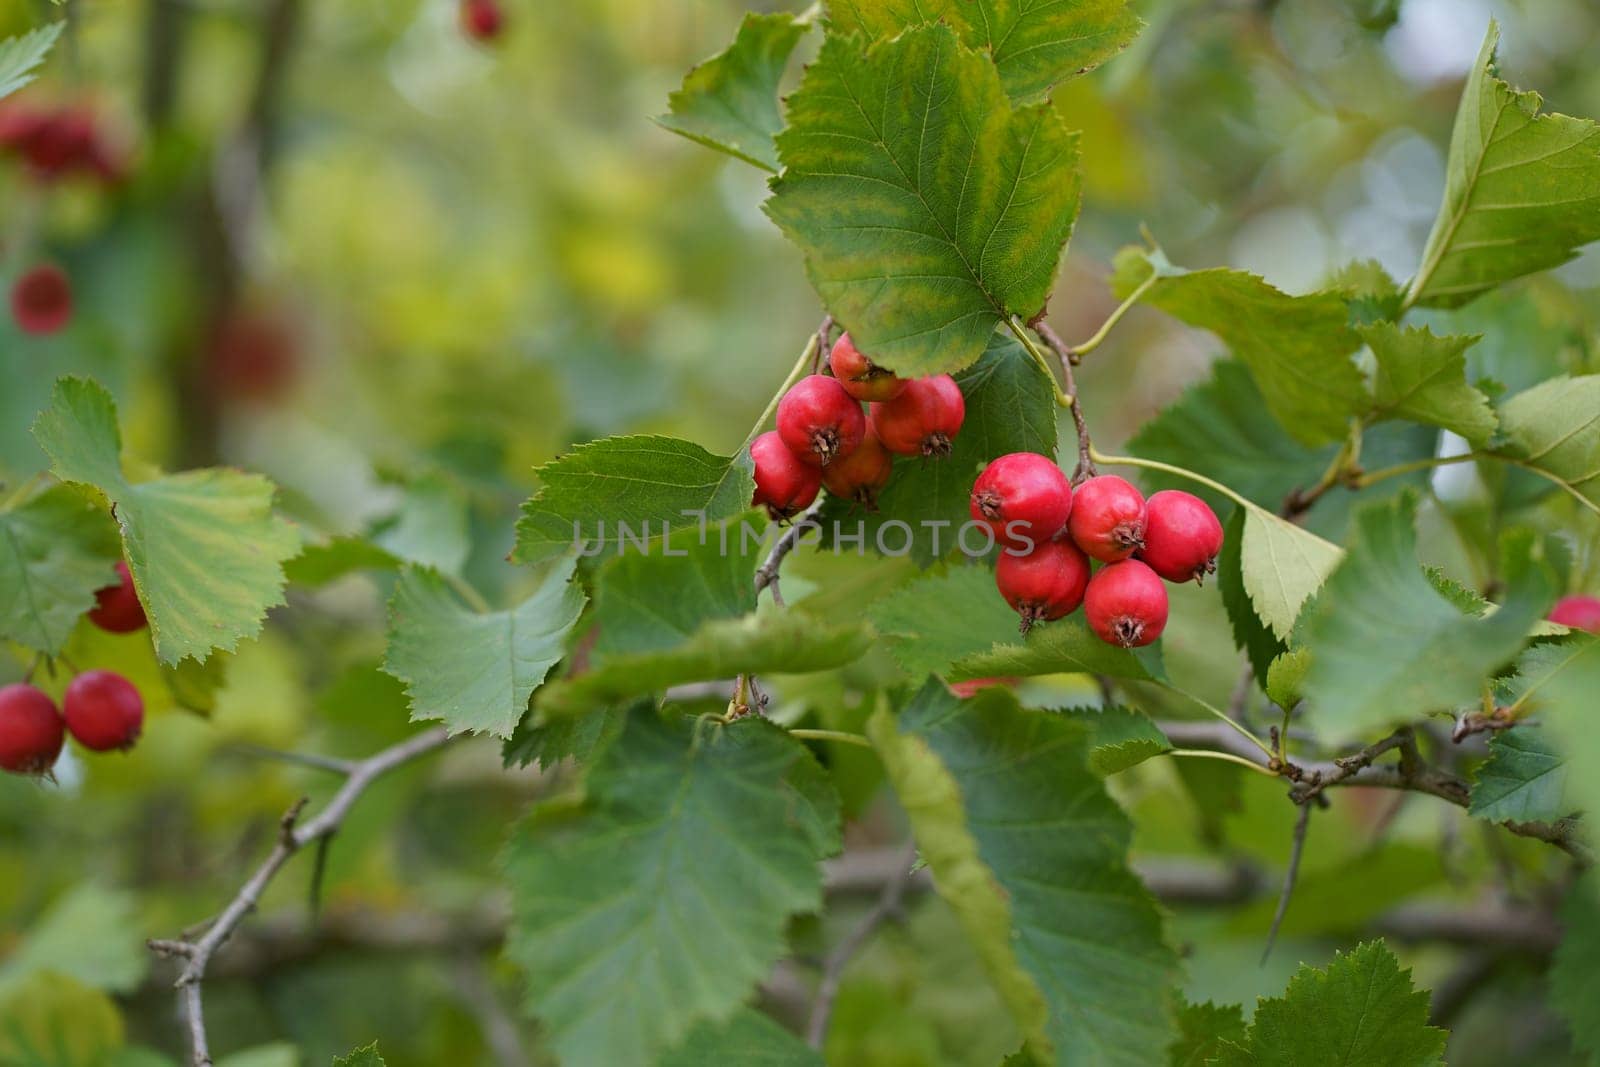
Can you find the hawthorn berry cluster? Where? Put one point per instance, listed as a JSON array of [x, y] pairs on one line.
[[101, 709], [60, 140], [1049, 534], [824, 439]]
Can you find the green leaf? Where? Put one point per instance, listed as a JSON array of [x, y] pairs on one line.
[[1062, 647], [1575, 970], [1119, 737], [471, 670], [748, 1039], [1034, 45], [1203, 1030], [730, 102], [656, 601], [1424, 378], [928, 209], [1522, 191], [92, 935], [56, 550], [1557, 681], [1282, 565], [431, 528], [1525, 780], [1386, 647], [20, 56], [645, 483], [1298, 348], [1250, 634], [661, 901], [1027, 847], [1286, 677], [938, 619], [55, 1021], [204, 547], [1555, 427], [320, 565], [361, 1057], [579, 737]]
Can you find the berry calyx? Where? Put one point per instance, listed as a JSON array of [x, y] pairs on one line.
[[103, 710], [117, 609], [1578, 612], [784, 484], [819, 421], [862, 378], [482, 20], [1108, 518], [41, 300], [1044, 584], [1023, 497], [1182, 536], [859, 476], [1126, 604], [923, 419], [31, 730]]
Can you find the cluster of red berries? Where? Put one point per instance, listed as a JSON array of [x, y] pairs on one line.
[[60, 140], [41, 299], [102, 709], [824, 439], [482, 20], [1050, 533]]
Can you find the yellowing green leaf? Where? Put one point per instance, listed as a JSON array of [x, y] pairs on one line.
[[1424, 378], [1555, 427], [1282, 565], [56, 549]]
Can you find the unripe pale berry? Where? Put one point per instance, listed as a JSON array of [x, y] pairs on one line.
[[783, 483], [30, 730], [1578, 612], [1126, 604], [1108, 517], [862, 378], [104, 711], [819, 421], [1181, 536], [117, 609], [923, 419], [1044, 584], [41, 300], [482, 20], [1023, 497], [859, 476]]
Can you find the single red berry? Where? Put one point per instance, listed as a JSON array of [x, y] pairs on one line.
[[1578, 612], [254, 355], [104, 711], [819, 421], [1181, 536], [1023, 497], [41, 300], [1044, 584], [117, 609], [862, 378], [923, 419], [30, 730], [784, 484], [858, 476], [1126, 604], [1108, 517], [482, 20]]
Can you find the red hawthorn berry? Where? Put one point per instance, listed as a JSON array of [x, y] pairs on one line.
[[1181, 536], [1044, 584], [482, 20], [31, 731], [860, 475], [104, 711], [1126, 604], [117, 609], [923, 419], [41, 300], [1108, 517], [1578, 612], [862, 378], [254, 355], [819, 421], [1023, 497], [783, 483]]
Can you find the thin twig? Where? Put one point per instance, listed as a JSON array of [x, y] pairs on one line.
[[767, 573], [887, 908], [1301, 825], [1064, 356]]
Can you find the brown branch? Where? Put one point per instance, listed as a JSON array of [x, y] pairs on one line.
[[1296, 850], [887, 908], [767, 573], [1065, 356]]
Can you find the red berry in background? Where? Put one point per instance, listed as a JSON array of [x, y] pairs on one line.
[[254, 355], [923, 419], [1126, 604], [862, 378], [30, 730], [116, 607], [103, 710], [819, 421], [1023, 497], [482, 20], [974, 686], [860, 475], [1181, 536], [783, 483], [1578, 612], [41, 300], [1045, 584], [1108, 517]]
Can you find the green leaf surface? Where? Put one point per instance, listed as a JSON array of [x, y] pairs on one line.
[[204, 547], [641, 482], [92, 935], [52, 1020], [476, 670], [1286, 677], [938, 619], [1522, 191], [928, 209], [361, 1057], [730, 102], [650, 602], [1065, 646], [56, 550], [748, 1039], [661, 900], [1028, 848], [1558, 681], [1524, 780], [1119, 737], [21, 56], [578, 737], [1250, 634], [431, 528], [1203, 1032], [1298, 348], [1575, 970], [320, 565], [1282, 565], [1555, 427], [1035, 45], [1424, 378]]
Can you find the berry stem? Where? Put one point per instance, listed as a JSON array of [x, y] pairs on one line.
[[1021, 334], [798, 371], [1074, 353], [1168, 468], [1237, 727], [1086, 467], [1206, 753], [832, 735]]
